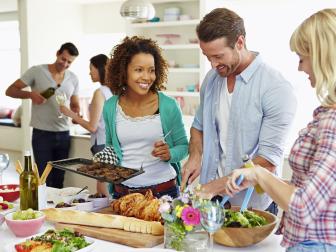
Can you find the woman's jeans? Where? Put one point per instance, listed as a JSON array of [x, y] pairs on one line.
[[312, 246]]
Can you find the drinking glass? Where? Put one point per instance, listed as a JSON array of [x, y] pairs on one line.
[[60, 99], [212, 218], [4, 162]]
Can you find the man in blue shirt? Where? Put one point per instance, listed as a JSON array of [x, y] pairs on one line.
[[246, 107]]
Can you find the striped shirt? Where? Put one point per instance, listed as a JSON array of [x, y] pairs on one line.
[[312, 210]]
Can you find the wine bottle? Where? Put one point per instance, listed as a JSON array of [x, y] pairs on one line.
[[48, 92], [28, 185], [248, 163]]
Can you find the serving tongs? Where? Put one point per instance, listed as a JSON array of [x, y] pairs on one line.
[[247, 197], [227, 197]]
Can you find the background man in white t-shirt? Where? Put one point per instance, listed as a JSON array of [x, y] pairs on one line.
[[51, 138]]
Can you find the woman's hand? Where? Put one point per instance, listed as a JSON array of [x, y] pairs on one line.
[[65, 111], [250, 178], [161, 150]]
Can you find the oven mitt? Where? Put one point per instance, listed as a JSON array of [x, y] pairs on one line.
[[107, 156]]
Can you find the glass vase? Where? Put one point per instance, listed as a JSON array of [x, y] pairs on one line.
[[193, 241]]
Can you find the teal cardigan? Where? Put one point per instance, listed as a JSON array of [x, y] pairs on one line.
[[171, 118]]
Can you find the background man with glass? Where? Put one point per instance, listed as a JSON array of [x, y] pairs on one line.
[[51, 138]]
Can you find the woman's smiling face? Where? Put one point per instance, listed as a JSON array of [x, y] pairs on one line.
[[305, 66], [141, 73]]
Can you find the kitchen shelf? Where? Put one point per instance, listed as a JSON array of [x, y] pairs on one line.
[[179, 46], [171, 1], [165, 23], [182, 93], [183, 70]]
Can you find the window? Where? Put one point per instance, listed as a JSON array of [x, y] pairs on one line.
[[9, 60]]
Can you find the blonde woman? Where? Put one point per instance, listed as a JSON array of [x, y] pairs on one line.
[[309, 200]]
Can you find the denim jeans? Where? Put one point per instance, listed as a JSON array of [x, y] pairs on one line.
[[51, 146], [273, 208], [312, 246]]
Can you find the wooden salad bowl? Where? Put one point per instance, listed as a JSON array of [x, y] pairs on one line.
[[243, 237]]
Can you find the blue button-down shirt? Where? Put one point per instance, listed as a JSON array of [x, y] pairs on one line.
[[262, 110]]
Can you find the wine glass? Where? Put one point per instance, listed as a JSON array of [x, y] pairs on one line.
[[4, 162], [212, 218], [60, 99]]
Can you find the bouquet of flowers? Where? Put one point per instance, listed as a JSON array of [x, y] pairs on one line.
[[180, 217]]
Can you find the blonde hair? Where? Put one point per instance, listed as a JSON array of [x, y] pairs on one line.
[[316, 38]]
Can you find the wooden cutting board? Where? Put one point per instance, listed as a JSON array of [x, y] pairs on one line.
[[136, 240]]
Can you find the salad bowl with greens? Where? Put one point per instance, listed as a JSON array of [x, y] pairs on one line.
[[246, 228]]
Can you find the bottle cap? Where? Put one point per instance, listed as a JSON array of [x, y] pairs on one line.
[[27, 153]]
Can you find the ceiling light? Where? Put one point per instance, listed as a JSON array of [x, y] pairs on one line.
[[137, 10]]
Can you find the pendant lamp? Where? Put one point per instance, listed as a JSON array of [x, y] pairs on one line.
[[137, 10]]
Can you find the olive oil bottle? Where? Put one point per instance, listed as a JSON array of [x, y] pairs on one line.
[[248, 163], [28, 185]]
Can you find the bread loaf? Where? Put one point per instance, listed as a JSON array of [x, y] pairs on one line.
[[104, 220]]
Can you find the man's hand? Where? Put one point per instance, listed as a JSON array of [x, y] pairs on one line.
[[190, 171], [37, 98], [215, 187], [161, 150]]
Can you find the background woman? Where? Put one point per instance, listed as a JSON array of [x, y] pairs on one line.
[[139, 116], [309, 200], [95, 124]]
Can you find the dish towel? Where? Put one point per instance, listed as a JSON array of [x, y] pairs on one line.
[[107, 156]]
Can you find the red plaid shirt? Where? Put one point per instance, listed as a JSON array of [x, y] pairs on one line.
[[312, 209]]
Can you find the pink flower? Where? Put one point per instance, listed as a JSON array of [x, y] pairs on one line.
[[191, 216]]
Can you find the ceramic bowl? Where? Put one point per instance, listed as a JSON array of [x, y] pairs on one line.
[[10, 192], [84, 206], [99, 202], [243, 237], [23, 228]]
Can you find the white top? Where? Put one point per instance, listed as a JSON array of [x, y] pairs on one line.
[[137, 137], [222, 120], [99, 137]]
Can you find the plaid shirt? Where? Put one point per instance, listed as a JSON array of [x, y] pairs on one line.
[[312, 210]]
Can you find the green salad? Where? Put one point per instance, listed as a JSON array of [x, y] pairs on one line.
[[63, 241], [246, 219]]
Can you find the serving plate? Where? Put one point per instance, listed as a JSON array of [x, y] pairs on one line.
[[75, 165], [10, 247]]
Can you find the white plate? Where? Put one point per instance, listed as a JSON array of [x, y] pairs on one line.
[[151, 250], [11, 246]]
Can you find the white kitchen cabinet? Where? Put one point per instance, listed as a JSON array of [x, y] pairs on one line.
[[178, 40]]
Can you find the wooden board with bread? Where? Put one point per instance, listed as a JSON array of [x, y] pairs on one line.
[[132, 220]]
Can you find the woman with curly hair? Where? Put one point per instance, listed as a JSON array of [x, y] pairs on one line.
[[143, 125]]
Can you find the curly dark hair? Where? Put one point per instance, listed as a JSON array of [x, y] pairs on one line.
[[121, 56]]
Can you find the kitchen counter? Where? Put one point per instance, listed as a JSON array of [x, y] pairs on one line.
[[7, 238]]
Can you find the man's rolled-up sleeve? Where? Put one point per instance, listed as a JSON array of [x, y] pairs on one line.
[[279, 107]]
